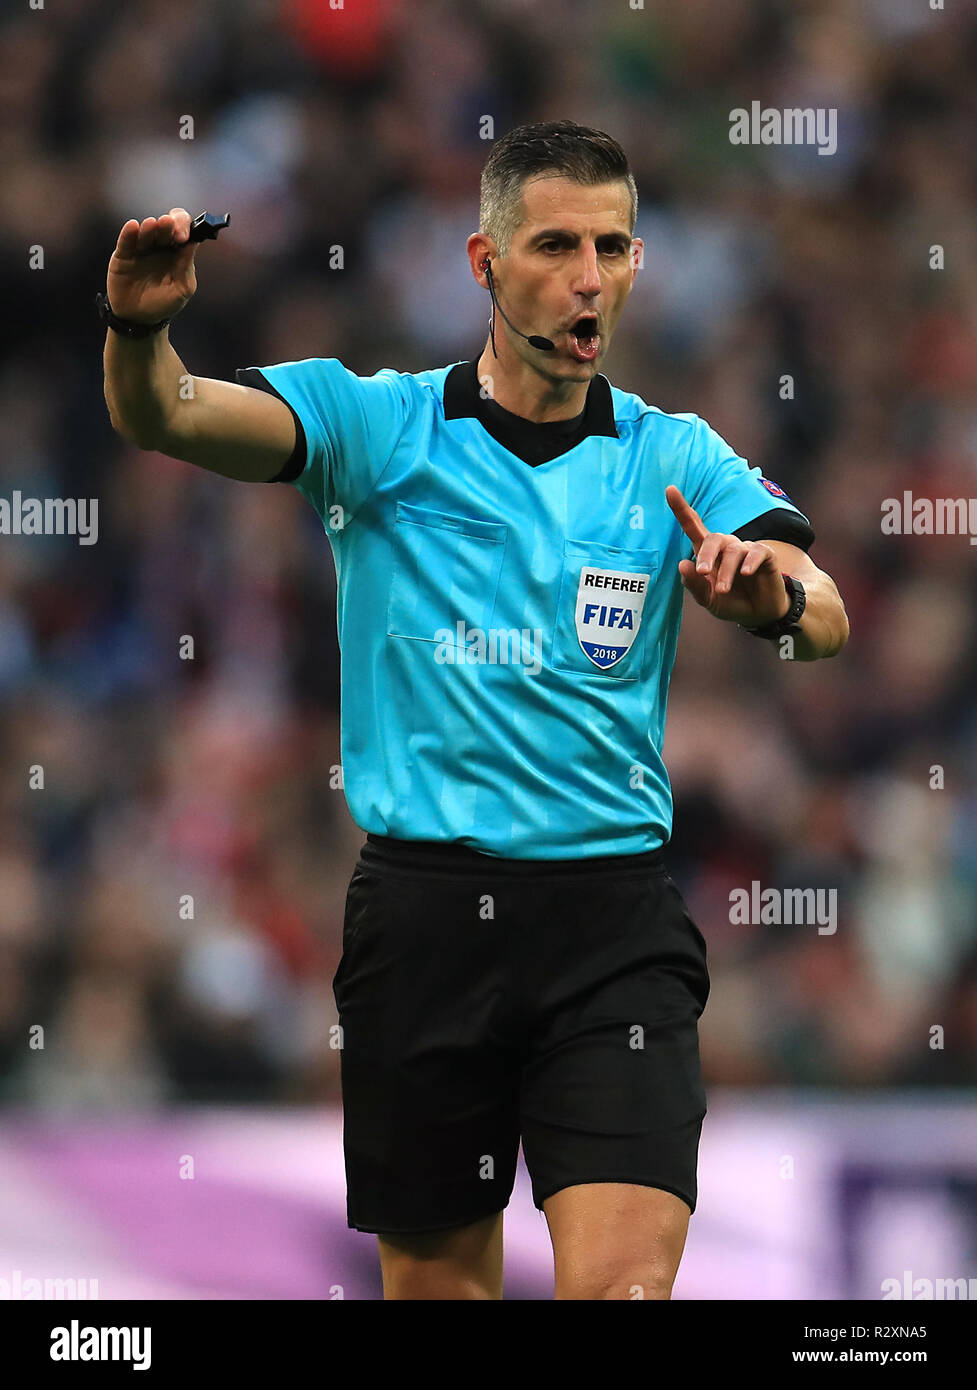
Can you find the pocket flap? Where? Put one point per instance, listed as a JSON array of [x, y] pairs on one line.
[[494, 531]]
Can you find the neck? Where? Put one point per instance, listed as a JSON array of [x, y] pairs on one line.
[[522, 390]]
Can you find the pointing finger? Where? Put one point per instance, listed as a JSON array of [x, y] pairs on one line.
[[688, 518]]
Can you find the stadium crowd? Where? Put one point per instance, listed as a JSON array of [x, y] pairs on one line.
[[171, 897]]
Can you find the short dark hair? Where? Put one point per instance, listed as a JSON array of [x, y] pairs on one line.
[[577, 152]]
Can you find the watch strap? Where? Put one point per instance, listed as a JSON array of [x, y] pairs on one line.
[[128, 328], [790, 622]]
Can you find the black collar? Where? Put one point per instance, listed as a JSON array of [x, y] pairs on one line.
[[530, 441]]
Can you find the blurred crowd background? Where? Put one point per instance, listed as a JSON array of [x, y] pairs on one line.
[[216, 779]]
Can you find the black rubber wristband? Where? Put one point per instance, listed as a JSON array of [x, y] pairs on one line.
[[126, 327], [791, 620]]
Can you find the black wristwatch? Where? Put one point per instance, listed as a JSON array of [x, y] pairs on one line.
[[791, 620], [127, 327]]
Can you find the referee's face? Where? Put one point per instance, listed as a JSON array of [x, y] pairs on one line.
[[568, 273]]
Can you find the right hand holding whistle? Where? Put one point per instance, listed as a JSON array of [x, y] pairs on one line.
[[151, 275]]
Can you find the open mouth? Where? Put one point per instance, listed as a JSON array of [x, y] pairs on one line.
[[583, 338]]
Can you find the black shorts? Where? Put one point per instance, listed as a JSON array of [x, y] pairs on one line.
[[483, 1001]]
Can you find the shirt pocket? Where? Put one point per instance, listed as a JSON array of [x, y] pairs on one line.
[[603, 610], [446, 570]]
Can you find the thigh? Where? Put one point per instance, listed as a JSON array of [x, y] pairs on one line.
[[616, 1240], [461, 1263], [429, 1083], [613, 1090]]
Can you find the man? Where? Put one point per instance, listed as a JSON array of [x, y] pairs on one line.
[[511, 539]]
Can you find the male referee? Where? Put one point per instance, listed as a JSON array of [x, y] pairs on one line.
[[511, 536]]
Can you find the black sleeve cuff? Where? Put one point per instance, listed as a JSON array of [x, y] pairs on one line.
[[294, 465], [778, 525]]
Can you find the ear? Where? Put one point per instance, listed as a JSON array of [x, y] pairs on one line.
[[480, 249], [637, 256]]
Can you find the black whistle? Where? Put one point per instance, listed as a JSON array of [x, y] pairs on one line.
[[205, 226]]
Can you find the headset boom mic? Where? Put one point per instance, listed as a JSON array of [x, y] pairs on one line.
[[535, 340]]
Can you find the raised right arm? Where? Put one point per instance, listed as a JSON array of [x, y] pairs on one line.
[[152, 399]]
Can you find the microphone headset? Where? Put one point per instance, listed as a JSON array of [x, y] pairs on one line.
[[542, 344]]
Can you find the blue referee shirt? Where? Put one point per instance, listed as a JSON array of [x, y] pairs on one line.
[[509, 599]]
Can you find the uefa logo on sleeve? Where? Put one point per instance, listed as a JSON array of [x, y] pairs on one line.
[[775, 489]]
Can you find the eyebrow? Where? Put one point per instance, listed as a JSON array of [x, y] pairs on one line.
[[561, 234]]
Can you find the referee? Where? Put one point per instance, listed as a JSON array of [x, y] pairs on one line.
[[511, 536]]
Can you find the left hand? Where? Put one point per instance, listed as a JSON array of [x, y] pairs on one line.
[[737, 581]]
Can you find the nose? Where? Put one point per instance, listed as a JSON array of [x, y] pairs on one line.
[[586, 273]]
